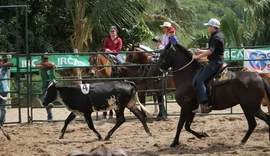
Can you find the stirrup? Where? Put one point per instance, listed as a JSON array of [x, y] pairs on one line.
[[201, 110]]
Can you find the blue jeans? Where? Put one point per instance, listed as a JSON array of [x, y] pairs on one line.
[[48, 110], [120, 59], [209, 71], [3, 109]]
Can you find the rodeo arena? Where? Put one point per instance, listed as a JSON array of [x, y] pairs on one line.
[[95, 104]]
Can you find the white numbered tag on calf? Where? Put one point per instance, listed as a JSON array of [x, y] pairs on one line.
[[85, 88]]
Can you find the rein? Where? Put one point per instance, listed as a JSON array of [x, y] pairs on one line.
[[177, 70]]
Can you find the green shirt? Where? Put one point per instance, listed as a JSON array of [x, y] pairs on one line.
[[47, 75]]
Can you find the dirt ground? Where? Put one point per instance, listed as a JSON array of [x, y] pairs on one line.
[[42, 138]]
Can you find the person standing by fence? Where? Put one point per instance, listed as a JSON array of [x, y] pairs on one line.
[[47, 74], [4, 88]]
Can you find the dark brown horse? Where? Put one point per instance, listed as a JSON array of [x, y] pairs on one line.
[[142, 58], [127, 72], [244, 88]]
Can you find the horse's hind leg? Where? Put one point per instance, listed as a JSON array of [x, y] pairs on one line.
[[182, 120], [111, 114], [263, 116], [190, 118], [251, 125], [104, 115]]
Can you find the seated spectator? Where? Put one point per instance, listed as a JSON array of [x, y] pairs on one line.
[[113, 43]]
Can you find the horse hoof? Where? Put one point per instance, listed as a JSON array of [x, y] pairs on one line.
[[150, 134], [61, 137], [174, 144]]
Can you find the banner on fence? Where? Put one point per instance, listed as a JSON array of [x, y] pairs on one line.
[[60, 61], [257, 60], [233, 54]]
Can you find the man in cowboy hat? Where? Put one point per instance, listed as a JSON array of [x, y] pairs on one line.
[[165, 37]]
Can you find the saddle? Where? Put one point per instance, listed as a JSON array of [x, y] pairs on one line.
[[220, 78], [114, 61]]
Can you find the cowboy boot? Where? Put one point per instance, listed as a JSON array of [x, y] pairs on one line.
[[203, 108]]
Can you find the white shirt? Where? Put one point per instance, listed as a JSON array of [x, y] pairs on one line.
[[165, 40]]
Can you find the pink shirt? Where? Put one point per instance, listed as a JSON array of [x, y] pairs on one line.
[[165, 40]]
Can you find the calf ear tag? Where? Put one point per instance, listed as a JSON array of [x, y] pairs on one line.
[[85, 88]]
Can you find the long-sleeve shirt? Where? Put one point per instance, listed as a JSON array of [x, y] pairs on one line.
[[156, 54], [165, 40], [114, 45], [173, 39]]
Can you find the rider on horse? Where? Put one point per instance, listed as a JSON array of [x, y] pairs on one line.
[[113, 43], [214, 54], [155, 56]]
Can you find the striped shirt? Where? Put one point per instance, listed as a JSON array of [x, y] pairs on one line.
[[156, 54]]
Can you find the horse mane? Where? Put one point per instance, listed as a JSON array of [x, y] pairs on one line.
[[187, 52]]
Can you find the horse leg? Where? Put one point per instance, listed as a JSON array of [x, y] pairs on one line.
[[155, 105], [160, 106], [120, 120], [251, 125], [190, 118], [263, 116], [90, 124], [104, 115], [180, 125], [111, 114], [70, 117]]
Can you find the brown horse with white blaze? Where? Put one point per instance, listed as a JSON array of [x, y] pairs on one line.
[[141, 57]]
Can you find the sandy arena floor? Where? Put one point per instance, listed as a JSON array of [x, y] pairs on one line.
[[42, 138]]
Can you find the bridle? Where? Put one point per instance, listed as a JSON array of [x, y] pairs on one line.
[[179, 69], [97, 59]]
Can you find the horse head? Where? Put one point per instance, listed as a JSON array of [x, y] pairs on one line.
[[140, 57], [93, 61], [96, 60], [175, 56]]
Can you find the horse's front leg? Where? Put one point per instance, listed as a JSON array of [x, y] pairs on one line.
[[190, 117], [181, 122]]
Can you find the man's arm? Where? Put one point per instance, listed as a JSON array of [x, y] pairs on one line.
[[8, 64], [45, 65], [202, 53]]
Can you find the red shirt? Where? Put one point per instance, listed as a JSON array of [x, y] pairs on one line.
[[114, 45]]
